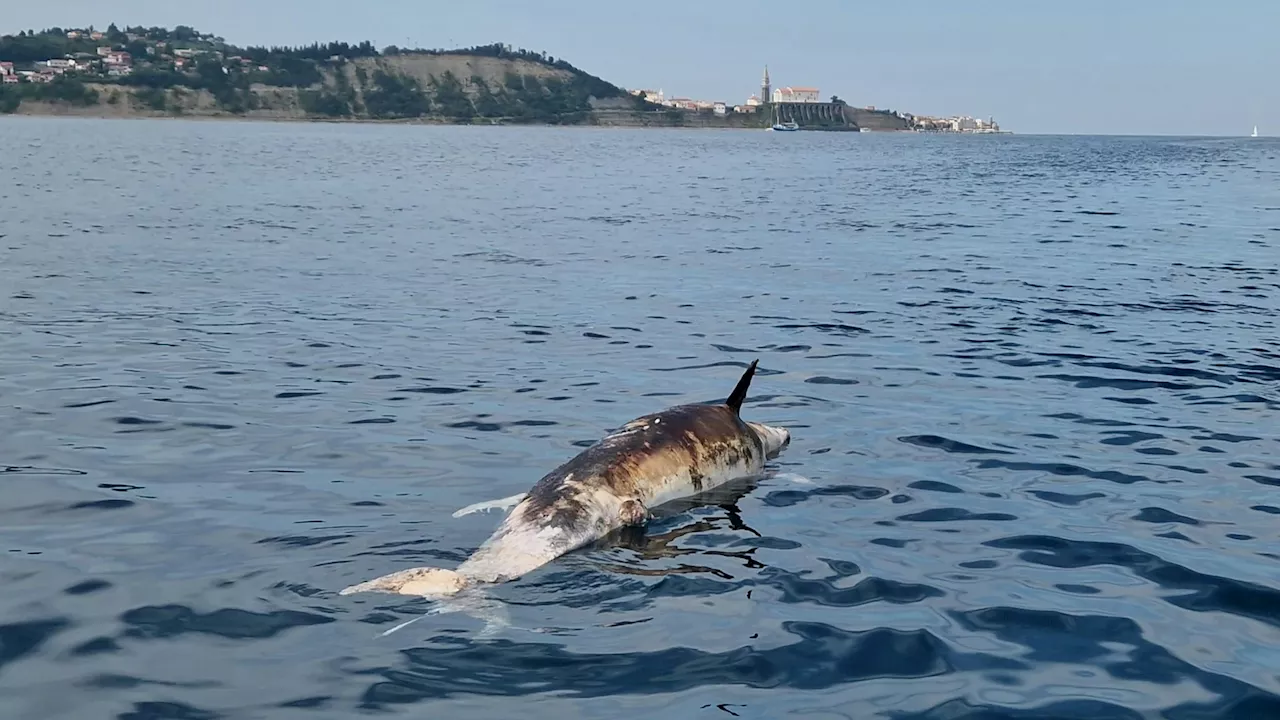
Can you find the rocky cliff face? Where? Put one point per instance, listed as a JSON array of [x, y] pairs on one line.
[[875, 119], [426, 68], [426, 87]]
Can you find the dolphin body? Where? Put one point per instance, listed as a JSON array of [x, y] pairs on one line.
[[673, 454]]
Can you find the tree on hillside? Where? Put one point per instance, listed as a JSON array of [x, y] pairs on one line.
[[33, 48]]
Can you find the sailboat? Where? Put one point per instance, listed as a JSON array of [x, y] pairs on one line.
[[1255, 131], [788, 126]]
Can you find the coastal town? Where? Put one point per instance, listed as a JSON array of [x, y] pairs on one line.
[[153, 65], [770, 95], [113, 53]]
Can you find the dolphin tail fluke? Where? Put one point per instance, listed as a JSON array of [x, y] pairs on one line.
[[740, 392], [491, 612]]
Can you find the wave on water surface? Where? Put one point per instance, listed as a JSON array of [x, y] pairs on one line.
[[1032, 386]]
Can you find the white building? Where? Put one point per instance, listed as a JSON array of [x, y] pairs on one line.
[[656, 97], [796, 95], [719, 108]]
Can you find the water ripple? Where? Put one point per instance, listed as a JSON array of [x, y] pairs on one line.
[[1032, 385]]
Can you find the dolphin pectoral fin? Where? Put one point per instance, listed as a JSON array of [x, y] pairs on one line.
[[505, 503]]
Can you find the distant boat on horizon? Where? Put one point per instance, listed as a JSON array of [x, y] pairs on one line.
[[1255, 131]]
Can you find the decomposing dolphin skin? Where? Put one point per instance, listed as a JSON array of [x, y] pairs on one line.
[[654, 459]]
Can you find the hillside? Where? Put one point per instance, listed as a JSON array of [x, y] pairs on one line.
[[455, 86], [155, 71]]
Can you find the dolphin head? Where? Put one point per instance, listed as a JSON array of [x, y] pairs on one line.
[[773, 438]]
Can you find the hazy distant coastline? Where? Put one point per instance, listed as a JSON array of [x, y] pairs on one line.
[[157, 72]]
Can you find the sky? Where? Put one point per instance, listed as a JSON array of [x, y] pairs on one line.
[[1145, 67]]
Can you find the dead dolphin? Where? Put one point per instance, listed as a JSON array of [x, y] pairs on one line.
[[654, 459]]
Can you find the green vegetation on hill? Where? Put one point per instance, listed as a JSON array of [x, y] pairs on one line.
[[164, 61], [66, 90]]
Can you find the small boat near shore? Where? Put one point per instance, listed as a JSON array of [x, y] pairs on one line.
[[788, 126]]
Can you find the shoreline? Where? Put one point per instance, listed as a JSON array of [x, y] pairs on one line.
[[435, 122], [595, 119], [80, 113]]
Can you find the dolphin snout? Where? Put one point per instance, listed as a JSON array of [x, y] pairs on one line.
[[773, 438]]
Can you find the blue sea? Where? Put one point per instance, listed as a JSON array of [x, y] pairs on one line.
[[1033, 384]]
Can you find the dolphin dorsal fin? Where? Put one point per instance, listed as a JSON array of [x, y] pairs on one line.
[[740, 392]]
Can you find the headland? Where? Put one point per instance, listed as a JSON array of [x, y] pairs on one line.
[[181, 72]]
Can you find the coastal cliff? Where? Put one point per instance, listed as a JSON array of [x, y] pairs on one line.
[[155, 72], [440, 87], [181, 72]]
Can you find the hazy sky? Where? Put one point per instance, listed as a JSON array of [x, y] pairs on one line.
[[1037, 66]]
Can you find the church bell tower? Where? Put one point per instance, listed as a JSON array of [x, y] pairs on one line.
[[765, 95]]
